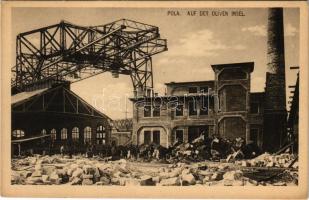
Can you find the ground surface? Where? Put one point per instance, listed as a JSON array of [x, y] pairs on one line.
[[265, 170]]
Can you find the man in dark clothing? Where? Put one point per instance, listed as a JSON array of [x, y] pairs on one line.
[[215, 148], [251, 150]]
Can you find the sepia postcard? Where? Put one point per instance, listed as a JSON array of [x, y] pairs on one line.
[[101, 99]]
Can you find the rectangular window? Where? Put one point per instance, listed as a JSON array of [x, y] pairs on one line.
[[179, 110], [156, 111], [87, 134], [147, 137], [192, 89], [204, 89], [254, 108], [99, 135], [147, 111], [204, 106], [192, 108], [156, 136], [179, 136]]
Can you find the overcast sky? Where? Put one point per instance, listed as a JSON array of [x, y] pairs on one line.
[[194, 43]]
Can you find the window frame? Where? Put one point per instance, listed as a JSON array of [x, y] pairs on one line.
[[195, 106], [43, 131], [202, 101], [154, 108], [177, 110], [148, 110], [18, 133], [53, 134], [101, 134], [87, 134], [64, 134], [153, 133], [195, 90], [202, 91], [75, 133], [150, 132]]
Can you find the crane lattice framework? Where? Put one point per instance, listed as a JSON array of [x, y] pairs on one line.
[[68, 52]]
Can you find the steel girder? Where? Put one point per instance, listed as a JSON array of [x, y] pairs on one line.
[[72, 53]]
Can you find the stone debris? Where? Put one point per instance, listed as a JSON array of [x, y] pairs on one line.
[[279, 170], [268, 160], [170, 182]]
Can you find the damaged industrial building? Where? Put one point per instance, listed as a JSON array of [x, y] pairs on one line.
[[45, 112], [224, 106], [209, 132], [45, 119]]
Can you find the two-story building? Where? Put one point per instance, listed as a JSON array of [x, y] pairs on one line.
[[223, 106]]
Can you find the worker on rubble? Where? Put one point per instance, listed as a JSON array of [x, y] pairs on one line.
[[70, 149], [129, 152], [207, 143], [89, 151], [156, 153], [132, 150], [62, 150], [150, 151], [238, 144], [251, 150], [137, 152], [215, 147], [228, 147]]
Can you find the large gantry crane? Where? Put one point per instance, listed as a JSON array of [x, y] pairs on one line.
[[68, 52]]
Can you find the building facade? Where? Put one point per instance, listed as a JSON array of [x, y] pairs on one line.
[[223, 106], [44, 119], [122, 132]]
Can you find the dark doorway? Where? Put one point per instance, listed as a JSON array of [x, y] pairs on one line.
[[195, 131], [179, 135], [147, 137], [156, 137], [254, 132]]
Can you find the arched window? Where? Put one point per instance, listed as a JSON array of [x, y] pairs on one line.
[[43, 132], [101, 135], [53, 133], [75, 133], [64, 134], [18, 133], [87, 134]]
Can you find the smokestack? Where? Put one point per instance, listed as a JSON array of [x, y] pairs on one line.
[[275, 41], [275, 114], [275, 78]]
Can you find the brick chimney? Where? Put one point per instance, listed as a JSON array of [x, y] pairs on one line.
[[275, 92]]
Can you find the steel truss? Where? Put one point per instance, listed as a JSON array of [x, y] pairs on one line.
[[67, 52]]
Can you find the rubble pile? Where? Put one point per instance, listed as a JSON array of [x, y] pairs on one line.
[[212, 148], [267, 160], [79, 170]]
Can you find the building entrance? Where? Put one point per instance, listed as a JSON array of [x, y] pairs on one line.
[[195, 131]]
